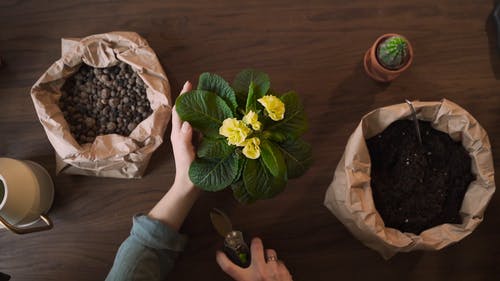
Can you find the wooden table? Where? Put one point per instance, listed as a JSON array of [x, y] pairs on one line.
[[314, 47]]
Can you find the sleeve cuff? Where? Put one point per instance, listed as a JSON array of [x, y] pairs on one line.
[[157, 235]]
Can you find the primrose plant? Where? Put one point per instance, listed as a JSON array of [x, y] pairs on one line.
[[251, 135]]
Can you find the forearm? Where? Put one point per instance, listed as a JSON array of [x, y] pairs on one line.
[[148, 253], [175, 205], [154, 242]]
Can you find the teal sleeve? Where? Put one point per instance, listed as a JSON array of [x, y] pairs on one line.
[[148, 253]]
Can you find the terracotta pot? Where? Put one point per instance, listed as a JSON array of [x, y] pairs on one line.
[[378, 72]]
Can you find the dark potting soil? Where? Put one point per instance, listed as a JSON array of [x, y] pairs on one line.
[[416, 187]]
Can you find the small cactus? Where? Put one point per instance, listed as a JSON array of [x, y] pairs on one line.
[[392, 53]]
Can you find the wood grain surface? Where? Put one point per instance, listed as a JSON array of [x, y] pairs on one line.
[[314, 47]]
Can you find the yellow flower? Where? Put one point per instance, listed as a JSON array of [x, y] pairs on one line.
[[274, 107], [235, 130], [252, 149], [251, 118]]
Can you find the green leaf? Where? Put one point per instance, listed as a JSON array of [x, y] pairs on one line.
[[214, 175], [294, 123], [214, 148], [251, 99], [259, 182], [298, 157], [273, 158], [214, 83], [204, 110], [241, 194], [274, 136], [242, 81], [241, 164]]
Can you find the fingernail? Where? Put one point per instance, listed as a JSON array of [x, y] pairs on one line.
[[186, 85], [185, 127]]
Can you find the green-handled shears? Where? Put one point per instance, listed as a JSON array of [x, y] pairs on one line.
[[234, 244]]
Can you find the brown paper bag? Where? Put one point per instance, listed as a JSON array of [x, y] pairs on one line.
[[109, 155], [349, 196]]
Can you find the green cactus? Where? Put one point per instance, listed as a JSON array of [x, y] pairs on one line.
[[392, 53]]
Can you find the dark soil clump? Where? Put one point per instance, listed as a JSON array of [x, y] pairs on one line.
[[416, 187]]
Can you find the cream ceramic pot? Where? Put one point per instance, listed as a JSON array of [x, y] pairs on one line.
[[26, 196]]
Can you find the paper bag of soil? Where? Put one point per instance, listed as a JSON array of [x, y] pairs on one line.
[[349, 196], [110, 155]]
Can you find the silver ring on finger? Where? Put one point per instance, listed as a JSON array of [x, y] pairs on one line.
[[272, 258]]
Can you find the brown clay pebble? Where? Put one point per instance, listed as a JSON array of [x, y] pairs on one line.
[[105, 78], [111, 126], [113, 102], [131, 126], [89, 122], [416, 187], [104, 93], [96, 101]]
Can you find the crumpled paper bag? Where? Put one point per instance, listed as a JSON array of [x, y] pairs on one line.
[[109, 155], [349, 196]]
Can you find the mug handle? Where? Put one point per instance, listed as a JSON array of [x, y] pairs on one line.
[[19, 230]]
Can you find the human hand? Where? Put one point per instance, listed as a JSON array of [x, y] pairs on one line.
[[265, 268], [182, 146], [173, 208]]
